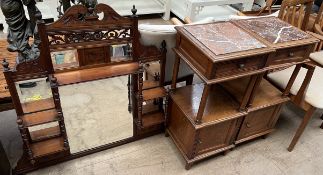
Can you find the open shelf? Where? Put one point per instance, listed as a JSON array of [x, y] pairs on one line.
[[266, 94], [38, 105], [152, 119], [39, 118], [149, 107], [44, 134], [150, 94], [148, 84], [83, 75], [220, 106], [47, 147]]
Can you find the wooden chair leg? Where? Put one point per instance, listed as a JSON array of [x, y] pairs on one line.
[[301, 128]]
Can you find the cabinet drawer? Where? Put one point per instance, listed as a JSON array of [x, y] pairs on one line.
[[216, 136], [259, 122], [235, 67], [294, 54]]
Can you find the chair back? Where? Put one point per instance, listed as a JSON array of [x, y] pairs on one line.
[[296, 12], [318, 25]]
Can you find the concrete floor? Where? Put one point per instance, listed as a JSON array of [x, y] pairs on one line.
[[158, 155]]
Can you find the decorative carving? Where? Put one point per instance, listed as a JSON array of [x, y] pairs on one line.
[[28, 67], [79, 16], [83, 36]]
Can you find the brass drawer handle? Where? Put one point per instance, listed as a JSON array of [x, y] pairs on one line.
[[248, 125], [291, 54], [241, 66]]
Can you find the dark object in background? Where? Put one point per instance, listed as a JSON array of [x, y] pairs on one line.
[[48, 20], [318, 2], [316, 6], [5, 168], [278, 2], [1, 27], [20, 29]]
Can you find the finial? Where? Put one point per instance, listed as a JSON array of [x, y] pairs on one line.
[[133, 10], [5, 65], [54, 80], [163, 44]]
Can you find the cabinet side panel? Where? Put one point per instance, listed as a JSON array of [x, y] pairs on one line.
[[181, 129]]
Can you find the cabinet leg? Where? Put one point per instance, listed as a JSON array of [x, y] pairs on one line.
[[226, 152], [166, 133], [188, 166], [264, 136]]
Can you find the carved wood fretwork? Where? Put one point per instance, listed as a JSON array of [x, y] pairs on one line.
[[79, 16], [29, 67], [59, 38]]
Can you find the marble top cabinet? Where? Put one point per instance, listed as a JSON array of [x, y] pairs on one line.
[[291, 44], [234, 103], [227, 50]]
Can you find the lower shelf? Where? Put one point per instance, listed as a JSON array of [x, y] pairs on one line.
[[154, 93], [149, 107], [96, 73], [45, 134], [47, 147], [148, 84], [39, 118], [38, 105], [152, 119]]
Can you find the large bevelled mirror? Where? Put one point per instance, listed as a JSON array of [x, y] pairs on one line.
[[96, 112]]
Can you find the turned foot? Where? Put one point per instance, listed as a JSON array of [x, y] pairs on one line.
[[188, 166], [166, 134]]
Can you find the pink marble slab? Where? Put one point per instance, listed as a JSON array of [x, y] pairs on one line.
[[273, 29], [223, 38]]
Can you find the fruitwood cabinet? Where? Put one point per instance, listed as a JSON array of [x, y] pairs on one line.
[[234, 103]]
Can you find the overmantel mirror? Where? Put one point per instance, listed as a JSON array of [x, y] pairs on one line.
[[95, 108], [78, 99]]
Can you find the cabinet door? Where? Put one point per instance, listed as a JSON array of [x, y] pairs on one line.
[[258, 123], [216, 136]]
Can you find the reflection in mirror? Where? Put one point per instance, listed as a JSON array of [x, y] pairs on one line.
[[152, 71], [120, 52], [33, 93], [64, 59], [96, 112]]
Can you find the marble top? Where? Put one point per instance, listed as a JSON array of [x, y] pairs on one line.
[[273, 29], [223, 38]]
